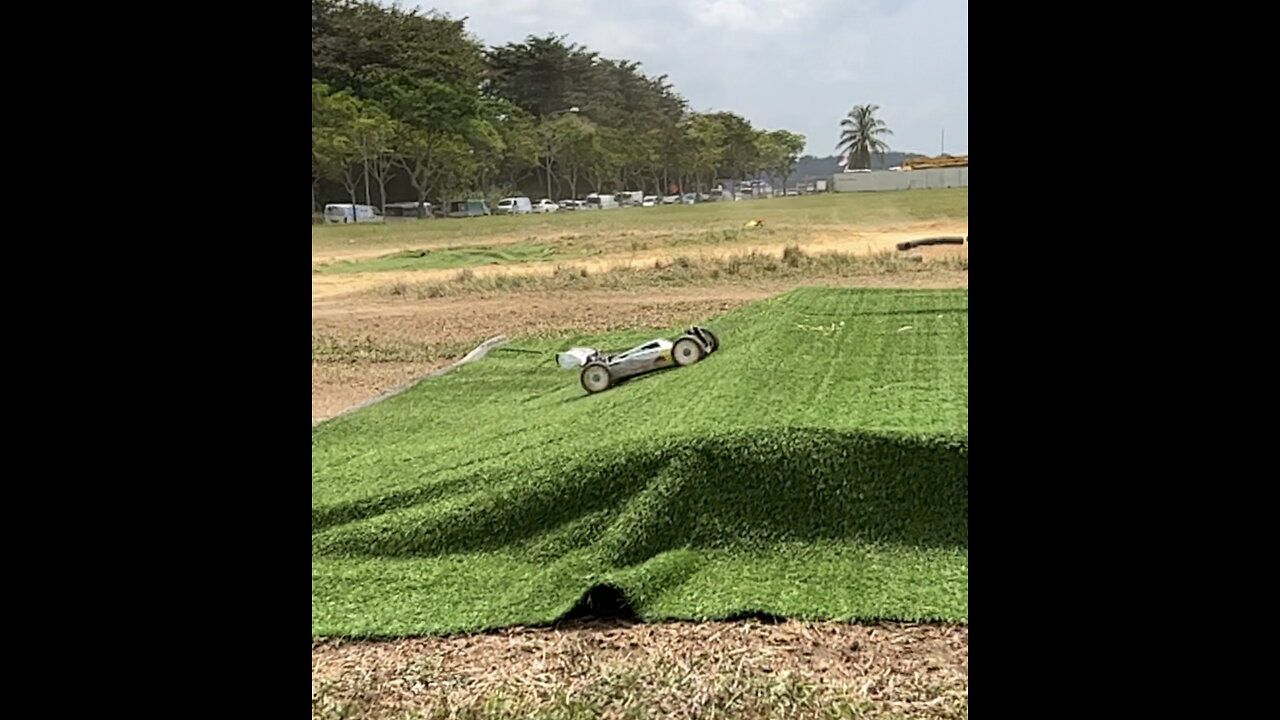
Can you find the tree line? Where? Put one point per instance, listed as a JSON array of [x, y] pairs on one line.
[[410, 99]]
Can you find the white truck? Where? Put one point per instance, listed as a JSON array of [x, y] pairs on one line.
[[595, 201], [631, 197], [343, 213]]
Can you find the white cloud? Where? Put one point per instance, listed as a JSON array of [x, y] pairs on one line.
[[751, 16]]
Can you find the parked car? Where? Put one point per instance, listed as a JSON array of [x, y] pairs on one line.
[[670, 199], [649, 201], [513, 206], [343, 213], [545, 206]]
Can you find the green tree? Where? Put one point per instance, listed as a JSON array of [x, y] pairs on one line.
[[334, 152], [780, 150], [327, 138], [423, 73], [706, 139], [434, 129], [633, 115], [553, 134], [372, 134], [455, 116], [860, 136], [607, 159], [355, 44], [541, 75], [518, 133], [471, 173], [580, 153], [740, 154]]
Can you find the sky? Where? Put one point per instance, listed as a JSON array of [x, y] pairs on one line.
[[797, 65]]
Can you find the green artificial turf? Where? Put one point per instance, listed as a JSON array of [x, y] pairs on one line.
[[816, 466]]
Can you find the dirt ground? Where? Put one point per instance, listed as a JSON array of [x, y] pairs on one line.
[[365, 344], [854, 242], [354, 250], [727, 669]]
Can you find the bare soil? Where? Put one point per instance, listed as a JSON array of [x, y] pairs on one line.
[[728, 669], [336, 387]]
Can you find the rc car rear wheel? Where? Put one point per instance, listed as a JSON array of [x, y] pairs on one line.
[[714, 342], [596, 377], [687, 351]]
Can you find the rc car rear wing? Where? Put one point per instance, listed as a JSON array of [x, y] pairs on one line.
[[575, 357]]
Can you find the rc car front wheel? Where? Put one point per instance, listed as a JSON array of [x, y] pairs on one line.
[[595, 377], [687, 351]]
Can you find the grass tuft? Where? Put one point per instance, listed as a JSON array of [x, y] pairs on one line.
[[794, 263]]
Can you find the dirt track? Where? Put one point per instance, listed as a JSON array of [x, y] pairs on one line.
[[854, 242]]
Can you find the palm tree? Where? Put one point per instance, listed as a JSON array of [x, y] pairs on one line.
[[860, 136]]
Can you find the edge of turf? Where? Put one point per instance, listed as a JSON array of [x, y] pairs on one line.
[[476, 353], [609, 603]]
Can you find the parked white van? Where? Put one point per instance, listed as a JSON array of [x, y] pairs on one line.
[[630, 197], [600, 202], [513, 206], [342, 213]]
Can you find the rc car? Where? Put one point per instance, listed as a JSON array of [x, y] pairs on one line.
[[601, 370]]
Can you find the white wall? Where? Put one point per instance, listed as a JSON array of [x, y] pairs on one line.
[[879, 180]]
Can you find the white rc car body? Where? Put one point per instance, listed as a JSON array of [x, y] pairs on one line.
[[601, 371]]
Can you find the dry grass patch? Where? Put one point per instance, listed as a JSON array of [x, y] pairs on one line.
[[793, 263], [618, 670]]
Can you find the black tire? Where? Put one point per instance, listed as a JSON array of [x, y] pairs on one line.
[[591, 377], [687, 351], [713, 340]]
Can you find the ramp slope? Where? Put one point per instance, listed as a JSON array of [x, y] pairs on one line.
[[816, 467]]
